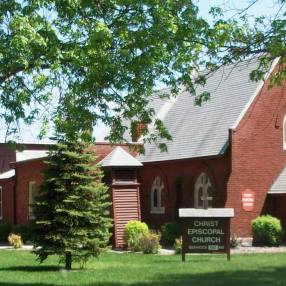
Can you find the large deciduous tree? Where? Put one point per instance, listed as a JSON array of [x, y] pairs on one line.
[[105, 57], [244, 35]]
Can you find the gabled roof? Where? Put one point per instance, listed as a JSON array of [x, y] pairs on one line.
[[202, 131], [279, 185], [119, 158]]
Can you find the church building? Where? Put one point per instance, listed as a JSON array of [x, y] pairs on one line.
[[230, 152]]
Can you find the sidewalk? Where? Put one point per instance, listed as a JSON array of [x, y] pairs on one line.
[[240, 250], [251, 249], [9, 247], [163, 251]]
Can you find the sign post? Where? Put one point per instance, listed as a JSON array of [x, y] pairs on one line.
[[206, 230]]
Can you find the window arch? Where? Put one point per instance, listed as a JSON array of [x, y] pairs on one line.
[[203, 192], [156, 196], [284, 133]]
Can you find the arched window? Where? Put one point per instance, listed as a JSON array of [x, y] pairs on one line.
[[203, 192], [284, 133], [156, 196]]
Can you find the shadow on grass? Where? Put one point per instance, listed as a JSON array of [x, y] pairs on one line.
[[37, 268], [263, 277], [24, 284]]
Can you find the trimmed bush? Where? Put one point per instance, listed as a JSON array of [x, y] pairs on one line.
[[133, 230], [233, 241], [170, 232], [267, 231], [5, 230], [149, 243], [15, 240]]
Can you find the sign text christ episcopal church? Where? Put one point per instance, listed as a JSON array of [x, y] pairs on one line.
[[205, 230]]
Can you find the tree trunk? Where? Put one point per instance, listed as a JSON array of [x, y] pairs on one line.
[[68, 261]]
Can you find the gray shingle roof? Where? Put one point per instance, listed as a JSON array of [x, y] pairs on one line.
[[119, 158], [279, 185], [155, 102], [203, 131]]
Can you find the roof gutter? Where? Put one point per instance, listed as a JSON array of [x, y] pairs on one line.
[[184, 159]]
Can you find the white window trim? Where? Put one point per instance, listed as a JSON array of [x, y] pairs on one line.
[[204, 187], [284, 133], [30, 210], [1, 203], [159, 186], [160, 210]]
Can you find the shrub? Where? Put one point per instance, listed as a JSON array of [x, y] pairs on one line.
[[133, 230], [178, 245], [15, 240], [24, 230], [150, 243], [5, 230], [233, 241], [170, 232], [267, 231]]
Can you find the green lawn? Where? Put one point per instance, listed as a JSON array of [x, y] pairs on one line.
[[20, 268]]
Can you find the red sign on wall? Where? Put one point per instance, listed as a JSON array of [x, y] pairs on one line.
[[247, 200]]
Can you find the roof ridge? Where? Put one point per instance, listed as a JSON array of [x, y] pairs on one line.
[[119, 157]]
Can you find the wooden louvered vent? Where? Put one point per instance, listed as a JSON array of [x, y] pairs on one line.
[[126, 208], [126, 204]]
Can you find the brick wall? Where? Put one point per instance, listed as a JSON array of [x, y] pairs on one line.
[[7, 200], [257, 155], [179, 178], [28, 171], [8, 154]]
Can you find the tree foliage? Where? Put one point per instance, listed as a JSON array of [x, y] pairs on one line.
[[105, 57], [72, 217], [243, 36]]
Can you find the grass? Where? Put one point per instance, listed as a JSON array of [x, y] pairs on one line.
[[20, 268]]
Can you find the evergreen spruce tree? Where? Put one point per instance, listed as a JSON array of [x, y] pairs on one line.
[[72, 210]]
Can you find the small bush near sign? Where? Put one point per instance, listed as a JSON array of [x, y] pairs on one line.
[[15, 240], [170, 232], [24, 230], [267, 231], [234, 241], [150, 243], [133, 230], [178, 245]]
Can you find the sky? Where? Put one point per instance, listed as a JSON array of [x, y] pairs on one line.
[[230, 8]]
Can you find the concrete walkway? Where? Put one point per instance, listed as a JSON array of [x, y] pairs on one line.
[[251, 249], [9, 247], [163, 251], [240, 250]]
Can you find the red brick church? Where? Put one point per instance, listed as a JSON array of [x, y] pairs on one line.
[[229, 152]]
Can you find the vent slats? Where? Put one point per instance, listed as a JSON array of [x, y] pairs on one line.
[[126, 207]]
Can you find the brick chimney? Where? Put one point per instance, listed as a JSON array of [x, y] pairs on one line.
[[137, 129]]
